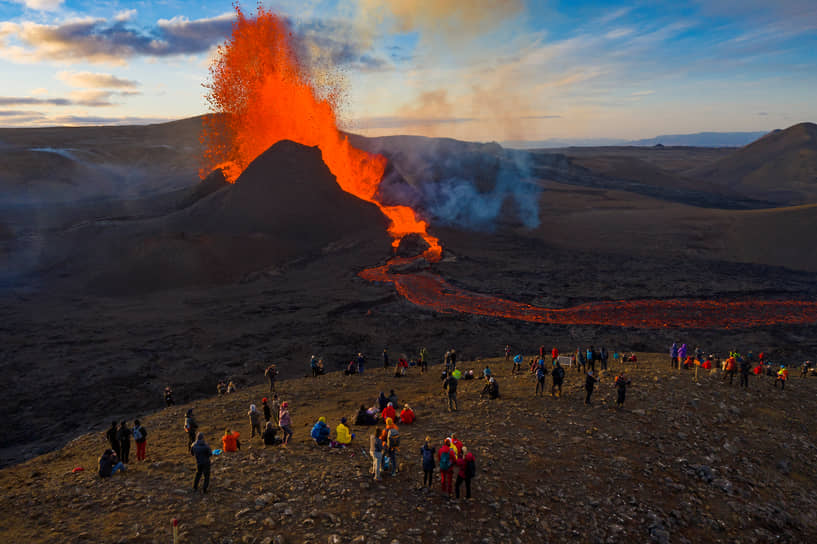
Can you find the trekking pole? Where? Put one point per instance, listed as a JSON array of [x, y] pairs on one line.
[[175, 524]]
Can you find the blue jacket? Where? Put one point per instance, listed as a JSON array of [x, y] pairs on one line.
[[428, 457], [320, 431]]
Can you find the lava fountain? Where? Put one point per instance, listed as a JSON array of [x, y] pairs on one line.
[[265, 93]]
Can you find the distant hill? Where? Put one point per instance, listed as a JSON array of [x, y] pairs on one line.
[[781, 167], [702, 139]]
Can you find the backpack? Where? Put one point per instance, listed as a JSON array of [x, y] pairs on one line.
[[445, 460], [393, 438], [139, 433], [470, 469]]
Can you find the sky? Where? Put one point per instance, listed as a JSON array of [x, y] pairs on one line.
[[469, 69]]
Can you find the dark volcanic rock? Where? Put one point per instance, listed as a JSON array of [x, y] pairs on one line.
[[412, 245]]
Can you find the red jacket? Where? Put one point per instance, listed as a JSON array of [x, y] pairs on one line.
[[407, 417], [462, 461], [555, 353], [457, 444], [388, 411]]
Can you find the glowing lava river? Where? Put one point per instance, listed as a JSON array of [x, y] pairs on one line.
[[433, 292]]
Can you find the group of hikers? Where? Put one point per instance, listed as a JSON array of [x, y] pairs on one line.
[[682, 358], [452, 458]]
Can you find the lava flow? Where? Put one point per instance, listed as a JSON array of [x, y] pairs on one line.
[[265, 93], [433, 292]]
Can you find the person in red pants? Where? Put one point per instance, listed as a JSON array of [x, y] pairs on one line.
[[140, 436], [446, 459]]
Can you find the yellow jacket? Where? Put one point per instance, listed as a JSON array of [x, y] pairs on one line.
[[344, 436]]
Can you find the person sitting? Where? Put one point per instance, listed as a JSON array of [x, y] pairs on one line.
[[486, 373], [231, 387], [320, 370], [320, 432], [491, 389], [269, 434], [407, 415], [382, 401], [469, 375], [351, 368], [344, 435], [230, 441], [388, 412], [364, 417], [109, 464], [221, 387]]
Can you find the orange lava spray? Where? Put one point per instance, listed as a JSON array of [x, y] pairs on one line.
[[264, 93]]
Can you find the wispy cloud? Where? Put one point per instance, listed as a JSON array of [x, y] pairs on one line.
[[96, 80]]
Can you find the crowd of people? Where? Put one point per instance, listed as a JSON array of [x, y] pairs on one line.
[[455, 463]]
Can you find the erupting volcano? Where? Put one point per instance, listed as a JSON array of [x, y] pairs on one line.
[[266, 94]]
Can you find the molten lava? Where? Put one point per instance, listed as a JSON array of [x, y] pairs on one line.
[[432, 292], [265, 94]]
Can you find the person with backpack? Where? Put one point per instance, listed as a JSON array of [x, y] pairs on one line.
[[782, 376], [589, 384], [391, 444], [124, 436], [320, 432], [255, 421], [541, 377], [267, 412], [450, 385], [729, 369], [140, 436], [202, 452], [190, 426], [491, 389], [271, 372], [313, 365], [113, 437], [467, 470], [558, 379], [621, 384], [109, 464], [285, 422], [376, 451], [230, 441], [445, 460], [427, 455]]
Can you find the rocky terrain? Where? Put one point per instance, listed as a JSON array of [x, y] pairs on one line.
[[683, 461]]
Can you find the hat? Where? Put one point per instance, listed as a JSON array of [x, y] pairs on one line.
[[322, 419], [264, 399], [284, 404], [428, 439], [389, 421], [392, 405]]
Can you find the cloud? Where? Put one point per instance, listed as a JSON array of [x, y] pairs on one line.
[[95, 120], [125, 15], [541, 117], [100, 41], [38, 91], [642, 93], [18, 113], [447, 19], [392, 122], [28, 101], [96, 81], [86, 97], [329, 43], [41, 5]]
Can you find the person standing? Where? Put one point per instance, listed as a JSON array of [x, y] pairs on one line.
[[271, 372], [450, 384], [423, 360], [361, 362], [255, 421], [445, 458], [124, 435], [275, 407], [313, 365], [190, 426], [427, 453], [285, 422], [169, 396], [391, 443], [604, 358], [673, 355], [621, 384], [581, 361], [782, 376], [265, 407], [113, 437], [554, 354], [385, 359], [591, 360], [541, 376], [558, 379], [202, 452], [468, 469], [682, 354], [745, 368], [589, 384], [140, 436], [507, 352], [376, 451]]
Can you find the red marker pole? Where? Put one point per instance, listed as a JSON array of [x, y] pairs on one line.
[[175, 524]]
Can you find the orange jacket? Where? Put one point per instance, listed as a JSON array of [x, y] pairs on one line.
[[229, 442], [730, 364]]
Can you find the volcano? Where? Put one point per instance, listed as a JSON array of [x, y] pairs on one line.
[[286, 205]]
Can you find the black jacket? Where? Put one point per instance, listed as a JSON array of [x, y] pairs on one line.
[[106, 463], [202, 452], [450, 383]]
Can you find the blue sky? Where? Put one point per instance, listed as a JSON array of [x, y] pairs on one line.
[[470, 69]]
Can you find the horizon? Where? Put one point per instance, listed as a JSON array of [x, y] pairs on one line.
[[512, 71]]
